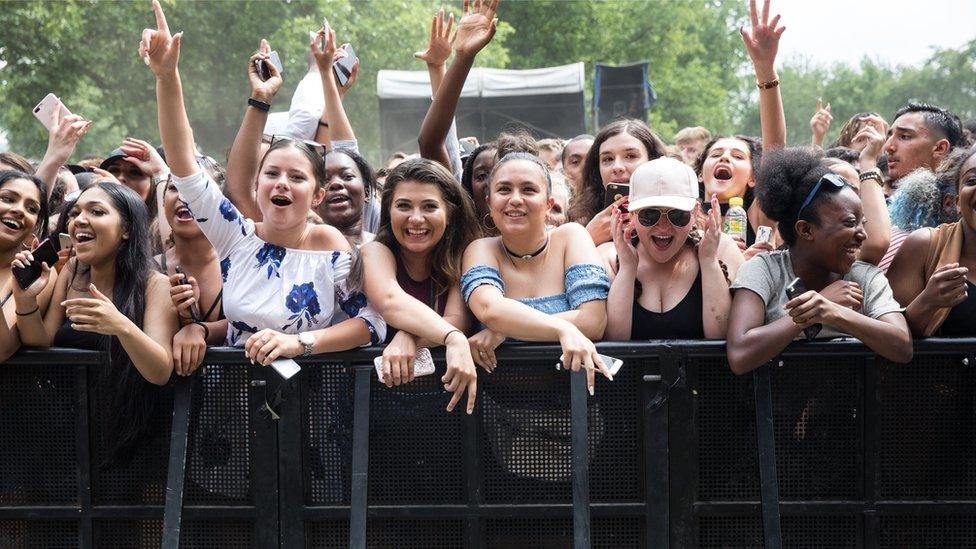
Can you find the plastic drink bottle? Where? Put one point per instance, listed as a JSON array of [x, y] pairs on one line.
[[735, 219]]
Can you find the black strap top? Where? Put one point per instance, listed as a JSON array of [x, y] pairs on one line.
[[67, 336], [961, 321], [683, 321]]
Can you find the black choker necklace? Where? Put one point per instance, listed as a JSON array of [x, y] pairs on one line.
[[527, 256]]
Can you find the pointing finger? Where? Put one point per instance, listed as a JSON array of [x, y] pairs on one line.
[[160, 17]]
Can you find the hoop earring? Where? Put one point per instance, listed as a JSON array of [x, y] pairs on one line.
[[487, 220]]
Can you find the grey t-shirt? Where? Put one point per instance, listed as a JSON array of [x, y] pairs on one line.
[[768, 274]]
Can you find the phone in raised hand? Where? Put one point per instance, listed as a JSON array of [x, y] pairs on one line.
[[46, 109], [263, 71], [342, 69]]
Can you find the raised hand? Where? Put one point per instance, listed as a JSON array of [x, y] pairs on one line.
[[263, 90], [869, 140], [158, 48], [762, 40], [144, 156], [439, 46], [184, 296], [621, 233], [324, 56], [820, 122], [353, 73], [67, 132], [476, 27], [708, 247]]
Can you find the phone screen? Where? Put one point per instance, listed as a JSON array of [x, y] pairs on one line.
[[342, 69]]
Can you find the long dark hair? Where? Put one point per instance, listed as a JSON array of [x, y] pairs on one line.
[[462, 224], [589, 201], [40, 228], [133, 401]]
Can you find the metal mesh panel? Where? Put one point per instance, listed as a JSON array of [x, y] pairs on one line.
[[927, 430], [222, 533], [615, 461], [815, 408], [434, 533], [142, 480], [333, 534], [525, 415], [38, 449], [557, 533], [218, 461], [928, 531], [49, 534], [415, 451], [726, 426], [815, 405], [328, 413], [127, 534], [798, 532]]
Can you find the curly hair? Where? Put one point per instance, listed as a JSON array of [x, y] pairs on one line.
[[918, 202], [952, 165], [589, 201], [462, 224], [785, 180]]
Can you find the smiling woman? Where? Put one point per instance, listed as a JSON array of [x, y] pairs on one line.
[[821, 220]]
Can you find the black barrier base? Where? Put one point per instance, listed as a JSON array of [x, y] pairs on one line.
[[867, 454]]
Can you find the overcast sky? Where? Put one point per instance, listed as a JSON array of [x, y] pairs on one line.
[[897, 31]]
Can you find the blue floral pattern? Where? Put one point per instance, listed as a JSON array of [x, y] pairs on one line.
[[224, 268], [303, 301], [270, 256], [240, 328], [229, 212], [352, 303]]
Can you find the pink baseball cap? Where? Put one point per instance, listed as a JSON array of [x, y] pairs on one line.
[[663, 183]]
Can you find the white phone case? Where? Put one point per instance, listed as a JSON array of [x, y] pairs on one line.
[[286, 367], [44, 111], [612, 364], [423, 364]]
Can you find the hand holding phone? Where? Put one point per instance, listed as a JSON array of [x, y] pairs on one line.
[[342, 69], [615, 191], [263, 71], [423, 364], [32, 269], [794, 290], [49, 111]]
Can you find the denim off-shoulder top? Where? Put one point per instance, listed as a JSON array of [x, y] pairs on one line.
[[584, 282]]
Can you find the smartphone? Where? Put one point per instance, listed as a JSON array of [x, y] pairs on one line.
[[263, 71], [614, 191], [325, 39], [764, 234], [342, 69], [45, 253], [64, 239], [286, 367], [46, 109], [612, 364], [194, 313], [423, 364], [796, 288]]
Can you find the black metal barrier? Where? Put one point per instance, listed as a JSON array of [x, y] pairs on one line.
[[865, 454]]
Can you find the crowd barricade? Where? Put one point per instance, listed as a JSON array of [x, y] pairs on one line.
[[828, 446]]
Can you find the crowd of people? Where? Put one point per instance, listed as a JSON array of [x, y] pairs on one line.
[[297, 246]]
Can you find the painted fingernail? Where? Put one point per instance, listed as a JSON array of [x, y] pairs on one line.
[[591, 390]]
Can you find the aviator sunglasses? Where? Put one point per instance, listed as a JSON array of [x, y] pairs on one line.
[[649, 217]]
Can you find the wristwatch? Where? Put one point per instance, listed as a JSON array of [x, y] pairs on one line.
[[307, 341]]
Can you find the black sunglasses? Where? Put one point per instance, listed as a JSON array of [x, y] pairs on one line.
[[649, 217]]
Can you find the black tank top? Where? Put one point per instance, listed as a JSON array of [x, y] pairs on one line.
[[961, 321], [683, 321], [66, 336]]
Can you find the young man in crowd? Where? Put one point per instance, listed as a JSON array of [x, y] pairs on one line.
[[920, 137]]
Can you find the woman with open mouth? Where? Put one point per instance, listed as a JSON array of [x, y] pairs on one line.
[[287, 291], [412, 272], [532, 283], [673, 283], [834, 295], [197, 289], [23, 221], [109, 297], [934, 273]]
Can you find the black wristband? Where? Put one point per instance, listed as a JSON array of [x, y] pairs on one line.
[[38, 308], [206, 331], [259, 104], [323, 123]]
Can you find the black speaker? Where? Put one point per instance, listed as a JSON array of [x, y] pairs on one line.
[[621, 91]]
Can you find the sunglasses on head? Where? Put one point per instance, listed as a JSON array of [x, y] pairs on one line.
[[314, 146], [649, 217], [829, 178]]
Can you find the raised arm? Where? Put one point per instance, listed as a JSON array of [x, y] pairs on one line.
[[339, 127], [716, 297], [871, 138], [436, 55], [322, 134], [820, 123], [762, 43], [60, 146], [475, 30], [244, 158], [621, 298]]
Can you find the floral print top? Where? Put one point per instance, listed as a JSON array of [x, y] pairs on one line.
[[267, 286]]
